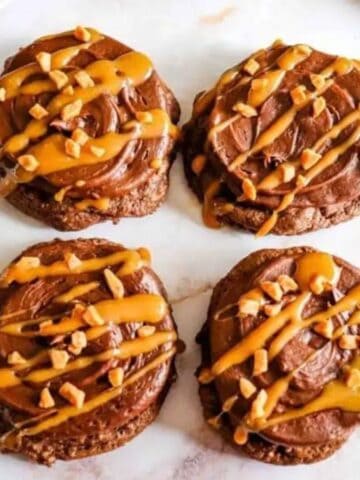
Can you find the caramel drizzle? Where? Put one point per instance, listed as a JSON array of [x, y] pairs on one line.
[[131, 261], [142, 307], [101, 204], [110, 76], [76, 292], [137, 308], [279, 330], [65, 413], [269, 82]]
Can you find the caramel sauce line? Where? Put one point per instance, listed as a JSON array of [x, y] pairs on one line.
[[111, 144], [255, 340], [101, 204], [278, 127], [210, 193], [334, 395], [325, 161], [142, 307], [66, 413], [274, 179], [125, 350], [76, 292], [131, 260], [134, 68]]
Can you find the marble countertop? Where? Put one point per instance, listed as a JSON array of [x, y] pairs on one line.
[[191, 42]]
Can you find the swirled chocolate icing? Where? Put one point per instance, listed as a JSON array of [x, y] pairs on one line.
[[275, 144], [45, 294], [289, 375], [126, 111]]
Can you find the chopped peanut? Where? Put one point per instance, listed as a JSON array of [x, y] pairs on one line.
[[27, 263], [156, 163], [287, 283], [78, 340], [248, 306], [15, 358], [229, 403], [319, 106], [69, 90], [241, 435], [79, 136], [287, 172], [298, 94], [84, 79], [81, 33], [260, 361], [38, 112], [44, 60], [97, 151], [145, 331], [245, 110], [2, 94], [272, 289], [317, 284], [59, 358], [317, 80], [114, 283], [309, 158], [28, 162], [303, 49], [72, 148], [272, 309], [72, 394], [247, 388], [71, 110], [258, 405], [80, 183], [353, 378], [59, 78], [249, 189], [301, 181], [116, 377], [72, 261], [92, 316], [251, 66], [325, 329], [348, 342], [278, 42], [46, 399]]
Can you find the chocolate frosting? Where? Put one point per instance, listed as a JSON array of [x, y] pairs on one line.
[[36, 299], [338, 183], [131, 168], [226, 331]]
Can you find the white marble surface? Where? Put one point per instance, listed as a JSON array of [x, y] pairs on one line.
[[190, 41]]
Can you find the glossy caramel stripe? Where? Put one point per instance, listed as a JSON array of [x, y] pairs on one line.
[[274, 179], [285, 120], [111, 143], [112, 75], [334, 395], [255, 340], [127, 349], [142, 307], [101, 204], [131, 260], [76, 292], [325, 161], [66, 413], [14, 81]]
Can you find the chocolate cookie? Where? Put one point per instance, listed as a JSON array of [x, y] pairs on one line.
[[280, 372], [87, 349], [87, 130], [274, 146]]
